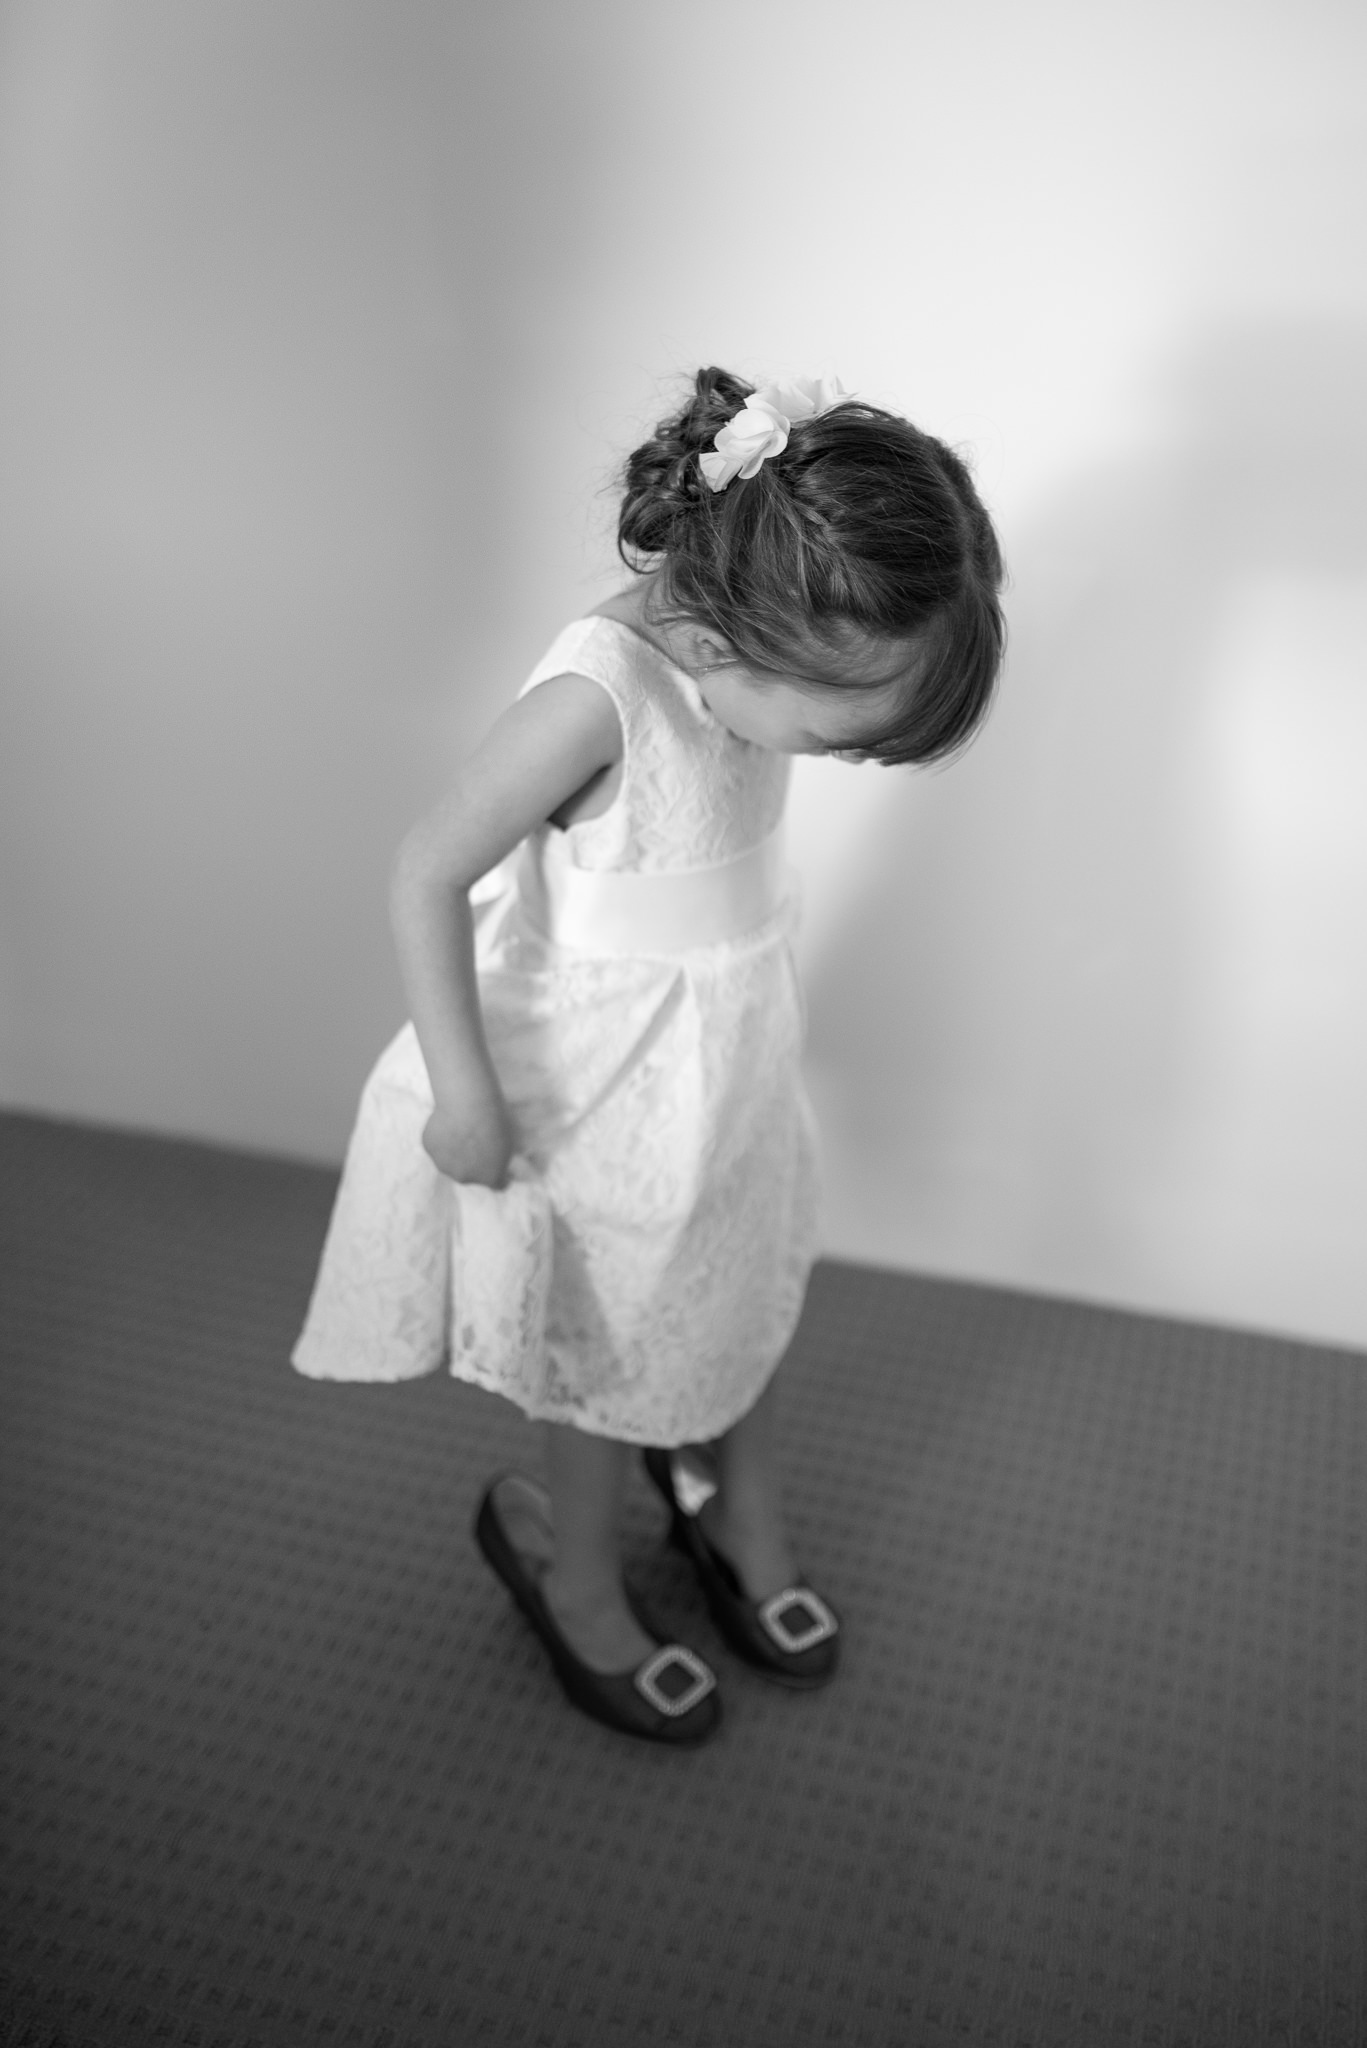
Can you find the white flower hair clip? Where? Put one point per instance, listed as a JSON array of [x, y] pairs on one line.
[[761, 427]]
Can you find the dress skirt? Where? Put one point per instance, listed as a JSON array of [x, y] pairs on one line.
[[643, 1273]]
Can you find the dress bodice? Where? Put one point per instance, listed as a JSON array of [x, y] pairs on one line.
[[692, 795]]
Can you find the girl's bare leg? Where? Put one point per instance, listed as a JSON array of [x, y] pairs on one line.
[[583, 1588], [744, 1518]]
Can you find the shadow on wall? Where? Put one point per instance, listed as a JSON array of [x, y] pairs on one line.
[[1034, 1027]]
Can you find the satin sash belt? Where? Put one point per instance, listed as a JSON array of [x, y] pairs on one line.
[[620, 912]]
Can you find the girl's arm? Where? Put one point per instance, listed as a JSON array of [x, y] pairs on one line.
[[539, 754]]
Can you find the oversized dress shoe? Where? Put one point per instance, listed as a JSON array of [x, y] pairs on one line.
[[672, 1694], [793, 1636]]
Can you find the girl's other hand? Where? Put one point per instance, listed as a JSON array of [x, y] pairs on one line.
[[473, 1143]]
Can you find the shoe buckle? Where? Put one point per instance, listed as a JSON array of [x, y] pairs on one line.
[[817, 1617], [674, 1657]]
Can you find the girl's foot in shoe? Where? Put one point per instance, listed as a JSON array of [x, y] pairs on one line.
[[765, 1610], [595, 1621], [599, 1626], [754, 1546], [669, 1695]]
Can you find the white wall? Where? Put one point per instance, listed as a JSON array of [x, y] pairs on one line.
[[325, 324]]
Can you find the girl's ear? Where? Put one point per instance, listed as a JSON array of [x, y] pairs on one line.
[[706, 650]]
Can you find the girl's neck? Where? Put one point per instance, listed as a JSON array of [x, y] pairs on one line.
[[633, 607]]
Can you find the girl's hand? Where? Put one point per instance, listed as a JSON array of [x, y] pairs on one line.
[[474, 1142]]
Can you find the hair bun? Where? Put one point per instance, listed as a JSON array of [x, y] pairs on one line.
[[663, 480]]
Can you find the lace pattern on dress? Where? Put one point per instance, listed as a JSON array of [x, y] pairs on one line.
[[692, 794]]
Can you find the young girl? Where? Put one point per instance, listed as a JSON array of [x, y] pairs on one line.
[[610, 1036]]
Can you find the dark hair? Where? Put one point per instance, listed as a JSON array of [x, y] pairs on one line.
[[863, 525]]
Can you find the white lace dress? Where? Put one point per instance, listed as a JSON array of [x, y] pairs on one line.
[[666, 1191]]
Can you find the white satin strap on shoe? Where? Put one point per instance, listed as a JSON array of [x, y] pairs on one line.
[[618, 911]]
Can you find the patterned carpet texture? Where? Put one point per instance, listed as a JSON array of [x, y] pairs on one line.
[[283, 1766]]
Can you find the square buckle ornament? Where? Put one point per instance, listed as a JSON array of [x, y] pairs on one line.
[[819, 1621], [676, 1656]]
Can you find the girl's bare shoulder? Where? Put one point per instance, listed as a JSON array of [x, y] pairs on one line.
[[567, 709]]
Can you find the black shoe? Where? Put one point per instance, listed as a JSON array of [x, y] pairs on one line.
[[670, 1697], [793, 1636]]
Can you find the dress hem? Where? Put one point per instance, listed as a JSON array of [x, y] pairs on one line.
[[618, 1433]]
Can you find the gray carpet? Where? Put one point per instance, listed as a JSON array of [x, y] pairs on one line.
[[283, 1766]]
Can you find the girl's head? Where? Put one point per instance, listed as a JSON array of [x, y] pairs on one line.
[[856, 573]]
